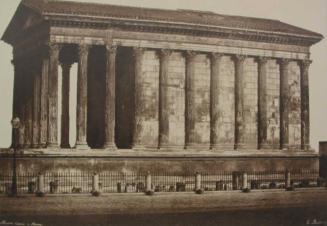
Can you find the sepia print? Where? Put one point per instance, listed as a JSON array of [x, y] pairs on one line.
[[132, 114]]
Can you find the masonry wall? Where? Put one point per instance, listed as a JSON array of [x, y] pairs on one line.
[[202, 100], [251, 103], [294, 105], [226, 98], [150, 99], [176, 99], [273, 93]]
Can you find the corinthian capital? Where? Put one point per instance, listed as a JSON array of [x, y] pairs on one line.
[[165, 52], [216, 56], [54, 48], [83, 49], [239, 58], [111, 48], [138, 51], [262, 60]]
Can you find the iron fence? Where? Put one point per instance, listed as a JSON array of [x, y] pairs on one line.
[[121, 182]]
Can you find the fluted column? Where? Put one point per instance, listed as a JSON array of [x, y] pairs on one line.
[[28, 108], [239, 101], [214, 100], [81, 116], [54, 50], [110, 98], [138, 57], [65, 104], [163, 99], [284, 104], [15, 111], [305, 108], [44, 109], [36, 107], [262, 102], [190, 113]]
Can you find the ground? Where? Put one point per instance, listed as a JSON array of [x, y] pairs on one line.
[[264, 207]]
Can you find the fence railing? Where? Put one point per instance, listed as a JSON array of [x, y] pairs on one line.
[[120, 182]]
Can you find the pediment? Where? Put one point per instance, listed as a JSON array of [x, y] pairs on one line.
[[23, 19]]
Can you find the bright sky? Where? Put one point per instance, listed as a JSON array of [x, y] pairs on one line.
[[308, 14]]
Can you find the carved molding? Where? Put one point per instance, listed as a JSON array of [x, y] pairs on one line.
[[216, 56], [165, 52], [239, 58], [138, 51], [112, 49], [83, 49], [262, 60], [195, 30]]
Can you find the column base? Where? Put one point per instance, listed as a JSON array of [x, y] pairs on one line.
[[51, 145], [110, 146], [245, 146], [167, 147], [27, 146], [82, 146], [35, 146], [307, 147], [222, 147], [65, 146], [44, 145], [138, 147], [197, 147]]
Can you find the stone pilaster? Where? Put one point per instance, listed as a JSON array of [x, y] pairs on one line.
[[44, 109], [110, 98], [36, 106], [262, 103], [65, 104], [163, 99], [239, 101], [81, 116], [305, 108], [138, 57], [284, 104], [214, 100], [54, 50], [190, 113]]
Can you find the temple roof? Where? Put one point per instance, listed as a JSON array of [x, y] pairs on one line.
[[181, 17]]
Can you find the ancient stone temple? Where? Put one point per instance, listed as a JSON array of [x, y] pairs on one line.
[[159, 89]]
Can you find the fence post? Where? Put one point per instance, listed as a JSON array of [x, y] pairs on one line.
[[235, 180], [287, 179], [40, 185], [148, 184], [197, 182], [245, 180], [95, 183]]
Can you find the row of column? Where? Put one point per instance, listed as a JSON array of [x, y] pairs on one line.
[[40, 109], [190, 113]]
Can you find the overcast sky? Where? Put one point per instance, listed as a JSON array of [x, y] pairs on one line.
[[309, 14]]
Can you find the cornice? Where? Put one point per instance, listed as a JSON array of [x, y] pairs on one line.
[[179, 28]]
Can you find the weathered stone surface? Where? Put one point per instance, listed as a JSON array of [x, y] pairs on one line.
[[52, 140], [273, 117], [81, 116], [250, 109], [176, 100], [148, 100], [226, 98], [202, 101], [182, 165], [294, 105], [136, 98]]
